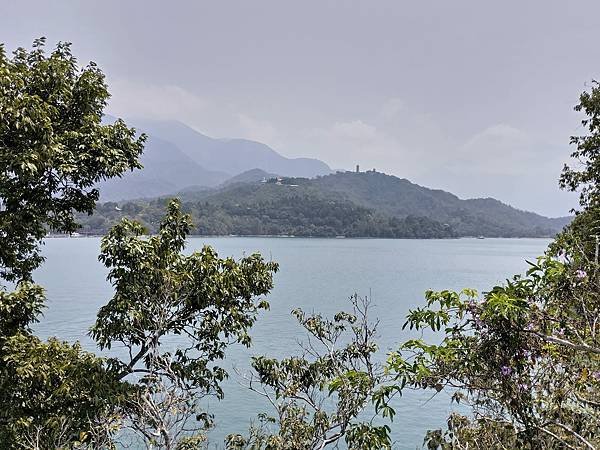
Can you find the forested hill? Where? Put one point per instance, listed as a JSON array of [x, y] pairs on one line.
[[399, 197], [347, 204], [271, 209]]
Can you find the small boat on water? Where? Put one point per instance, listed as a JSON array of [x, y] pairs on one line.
[[480, 237]]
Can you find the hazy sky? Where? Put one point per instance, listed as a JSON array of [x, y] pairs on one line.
[[474, 97]]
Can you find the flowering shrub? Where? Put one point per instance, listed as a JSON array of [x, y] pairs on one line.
[[524, 356]]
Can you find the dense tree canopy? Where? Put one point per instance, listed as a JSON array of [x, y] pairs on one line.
[[269, 209], [349, 204], [53, 149], [159, 292]]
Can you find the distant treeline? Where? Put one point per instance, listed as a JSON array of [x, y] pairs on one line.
[[294, 215], [344, 204]]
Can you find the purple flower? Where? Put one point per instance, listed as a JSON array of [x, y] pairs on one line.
[[505, 371], [596, 375], [581, 274]]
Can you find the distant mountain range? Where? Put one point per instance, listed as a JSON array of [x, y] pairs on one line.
[[367, 204], [167, 170], [177, 157]]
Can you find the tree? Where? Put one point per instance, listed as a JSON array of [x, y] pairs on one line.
[[73, 399], [586, 177], [159, 292], [525, 356], [319, 395], [53, 149], [56, 395]]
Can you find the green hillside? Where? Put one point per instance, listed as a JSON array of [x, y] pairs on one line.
[[474, 217], [344, 204], [270, 209]]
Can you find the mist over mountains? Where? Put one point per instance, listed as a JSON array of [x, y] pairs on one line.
[[177, 157], [242, 187]]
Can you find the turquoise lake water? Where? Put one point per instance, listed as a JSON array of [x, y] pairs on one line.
[[317, 275]]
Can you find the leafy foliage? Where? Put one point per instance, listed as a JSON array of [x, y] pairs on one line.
[[159, 292], [586, 177], [53, 149], [20, 308], [319, 396], [525, 356], [55, 395]]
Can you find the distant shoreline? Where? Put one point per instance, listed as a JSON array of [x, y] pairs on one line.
[[276, 236]]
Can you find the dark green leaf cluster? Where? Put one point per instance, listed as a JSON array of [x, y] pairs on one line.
[[161, 292], [53, 149], [53, 394]]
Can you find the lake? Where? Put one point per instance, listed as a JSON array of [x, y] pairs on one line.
[[317, 275]]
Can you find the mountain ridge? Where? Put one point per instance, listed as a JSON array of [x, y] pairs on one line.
[[231, 155], [166, 171], [400, 197], [370, 204], [177, 157]]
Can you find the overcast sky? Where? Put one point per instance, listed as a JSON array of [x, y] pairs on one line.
[[474, 97]]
